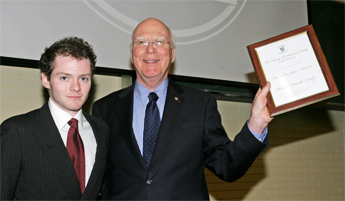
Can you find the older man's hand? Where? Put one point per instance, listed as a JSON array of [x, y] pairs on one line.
[[260, 116]]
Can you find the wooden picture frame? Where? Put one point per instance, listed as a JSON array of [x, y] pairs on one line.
[[297, 69]]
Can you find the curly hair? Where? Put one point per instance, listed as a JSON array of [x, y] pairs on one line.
[[70, 46]]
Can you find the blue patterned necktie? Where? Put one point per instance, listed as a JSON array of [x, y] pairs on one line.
[[151, 127]]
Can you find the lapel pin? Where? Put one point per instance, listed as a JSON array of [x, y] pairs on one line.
[[177, 99]]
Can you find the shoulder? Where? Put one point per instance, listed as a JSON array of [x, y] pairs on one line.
[[95, 120], [195, 92], [191, 94], [114, 96], [32, 115], [22, 121]]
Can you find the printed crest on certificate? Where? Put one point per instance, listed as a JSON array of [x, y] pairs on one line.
[[297, 69]]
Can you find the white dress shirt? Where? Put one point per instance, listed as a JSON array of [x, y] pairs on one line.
[[61, 119]]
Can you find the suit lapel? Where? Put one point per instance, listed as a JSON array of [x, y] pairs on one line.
[[172, 110], [125, 112], [53, 147], [100, 156]]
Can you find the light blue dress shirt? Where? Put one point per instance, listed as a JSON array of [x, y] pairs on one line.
[[139, 106]]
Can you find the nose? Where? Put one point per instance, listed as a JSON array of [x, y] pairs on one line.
[[150, 48], [75, 85]]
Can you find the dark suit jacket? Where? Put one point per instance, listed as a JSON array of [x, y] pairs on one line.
[[191, 137], [35, 164]]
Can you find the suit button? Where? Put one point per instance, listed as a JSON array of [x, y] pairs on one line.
[[149, 181]]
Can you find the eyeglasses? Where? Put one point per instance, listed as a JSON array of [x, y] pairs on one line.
[[156, 44]]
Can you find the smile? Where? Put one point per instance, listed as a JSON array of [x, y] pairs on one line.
[[151, 61]]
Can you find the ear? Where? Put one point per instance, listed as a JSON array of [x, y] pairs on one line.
[[173, 55], [45, 81], [132, 55]]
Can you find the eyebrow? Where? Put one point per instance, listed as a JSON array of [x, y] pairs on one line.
[[139, 38], [160, 38], [63, 73]]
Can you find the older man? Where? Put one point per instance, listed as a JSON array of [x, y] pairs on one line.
[[163, 135]]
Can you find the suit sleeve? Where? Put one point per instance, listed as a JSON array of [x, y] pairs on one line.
[[10, 159], [227, 159]]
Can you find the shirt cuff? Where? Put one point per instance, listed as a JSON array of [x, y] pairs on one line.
[[260, 137]]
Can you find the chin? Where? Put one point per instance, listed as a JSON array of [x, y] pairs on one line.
[[151, 74], [75, 107]]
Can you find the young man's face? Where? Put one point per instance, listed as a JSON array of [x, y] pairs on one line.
[[69, 83]]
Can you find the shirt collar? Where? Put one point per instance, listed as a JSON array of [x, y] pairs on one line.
[[61, 117], [142, 92]]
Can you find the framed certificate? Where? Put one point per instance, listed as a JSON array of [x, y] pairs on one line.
[[297, 69]]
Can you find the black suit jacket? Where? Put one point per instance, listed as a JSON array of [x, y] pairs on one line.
[[35, 164], [191, 137]]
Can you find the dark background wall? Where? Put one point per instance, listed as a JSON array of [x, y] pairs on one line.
[[327, 18]]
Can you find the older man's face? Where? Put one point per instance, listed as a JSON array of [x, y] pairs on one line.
[[152, 62]]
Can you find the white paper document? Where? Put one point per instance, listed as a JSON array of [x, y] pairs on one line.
[[292, 68]]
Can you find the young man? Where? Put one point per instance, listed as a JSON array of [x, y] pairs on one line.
[[57, 152]]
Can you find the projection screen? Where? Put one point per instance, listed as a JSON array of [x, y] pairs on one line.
[[211, 36]]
